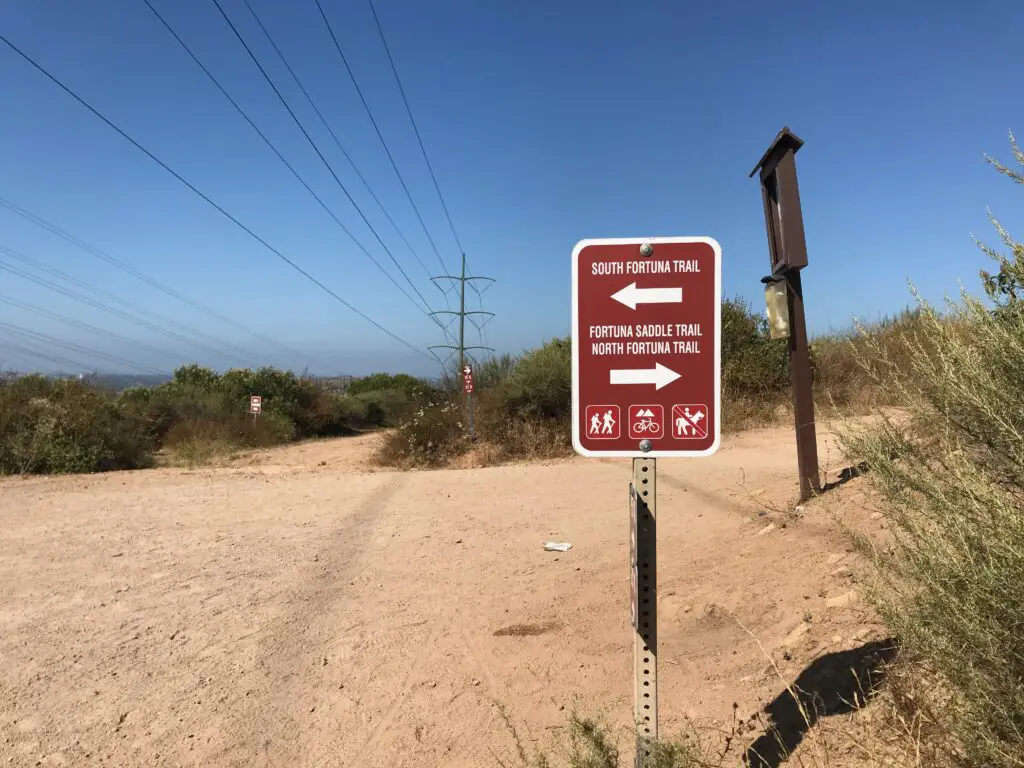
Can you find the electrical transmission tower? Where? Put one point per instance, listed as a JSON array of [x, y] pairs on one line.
[[462, 314]]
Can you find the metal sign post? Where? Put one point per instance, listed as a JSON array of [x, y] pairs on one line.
[[646, 372], [643, 581], [787, 250]]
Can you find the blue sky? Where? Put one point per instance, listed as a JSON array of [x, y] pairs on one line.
[[546, 124]]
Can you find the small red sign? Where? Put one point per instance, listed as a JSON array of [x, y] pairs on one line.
[[646, 338], [255, 404], [467, 380]]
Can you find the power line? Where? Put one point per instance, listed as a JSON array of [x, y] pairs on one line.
[[83, 326], [415, 128], [25, 356], [70, 238], [369, 113], [426, 158], [34, 352], [316, 149], [277, 152], [6, 267], [334, 135], [24, 332], [194, 189]]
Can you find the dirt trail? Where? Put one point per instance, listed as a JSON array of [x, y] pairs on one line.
[[298, 609]]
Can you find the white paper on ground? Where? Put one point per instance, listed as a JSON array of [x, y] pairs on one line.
[[558, 546]]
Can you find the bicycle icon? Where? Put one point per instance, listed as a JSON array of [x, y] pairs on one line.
[[646, 421], [647, 425]]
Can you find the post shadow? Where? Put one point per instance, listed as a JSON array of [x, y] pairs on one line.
[[846, 475], [833, 684]]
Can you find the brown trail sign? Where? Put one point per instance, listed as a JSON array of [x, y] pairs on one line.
[[646, 380], [645, 346]]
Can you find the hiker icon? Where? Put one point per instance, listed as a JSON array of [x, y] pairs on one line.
[[602, 421], [609, 423]]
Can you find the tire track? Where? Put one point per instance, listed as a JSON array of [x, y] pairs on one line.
[[426, 652], [295, 641]]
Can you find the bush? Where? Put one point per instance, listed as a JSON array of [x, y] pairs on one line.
[[381, 382], [72, 426], [65, 426], [539, 385], [431, 437], [755, 367], [951, 476]]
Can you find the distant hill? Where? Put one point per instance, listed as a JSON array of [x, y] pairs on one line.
[[122, 381]]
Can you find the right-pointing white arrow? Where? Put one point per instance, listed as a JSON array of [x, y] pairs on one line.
[[631, 296], [659, 376]]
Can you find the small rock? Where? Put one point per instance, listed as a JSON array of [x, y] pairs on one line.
[[458, 541], [687, 608], [797, 634], [324, 661], [842, 601], [476, 683], [876, 515], [837, 638], [767, 529], [312, 710], [842, 570], [799, 509]]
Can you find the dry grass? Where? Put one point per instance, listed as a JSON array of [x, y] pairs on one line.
[[951, 479]]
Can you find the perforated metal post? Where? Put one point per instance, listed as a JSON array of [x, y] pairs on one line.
[[644, 603]]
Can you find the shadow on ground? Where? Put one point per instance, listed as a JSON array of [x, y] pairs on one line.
[[846, 476], [834, 684]]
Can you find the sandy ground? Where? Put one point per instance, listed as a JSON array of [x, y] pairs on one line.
[[301, 609]]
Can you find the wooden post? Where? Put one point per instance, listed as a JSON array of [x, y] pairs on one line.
[[787, 247]]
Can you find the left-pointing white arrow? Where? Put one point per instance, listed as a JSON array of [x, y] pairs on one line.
[[659, 376], [631, 296]]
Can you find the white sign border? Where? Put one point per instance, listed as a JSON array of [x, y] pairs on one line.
[[575, 341]]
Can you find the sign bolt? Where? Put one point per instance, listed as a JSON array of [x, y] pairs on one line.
[[646, 445], [646, 249]]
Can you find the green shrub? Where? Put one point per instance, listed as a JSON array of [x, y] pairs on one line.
[[755, 367], [379, 382], [388, 407], [539, 385], [431, 437], [493, 372], [951, 477], [66, 426]]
